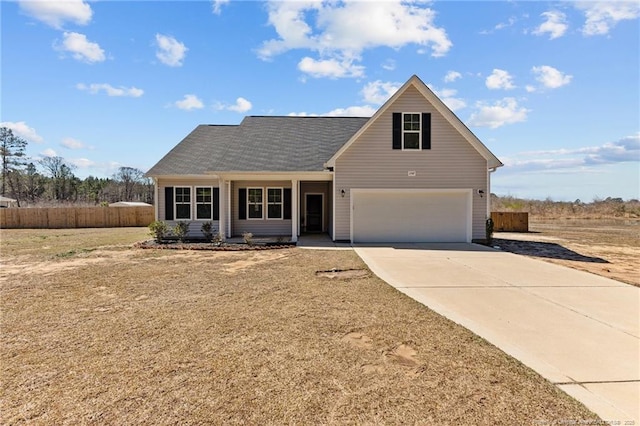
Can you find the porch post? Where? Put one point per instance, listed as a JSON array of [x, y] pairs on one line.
[[294, 211], [229, 218], [222, 200]]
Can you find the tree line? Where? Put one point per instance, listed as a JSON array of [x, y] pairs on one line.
[[52, 179]]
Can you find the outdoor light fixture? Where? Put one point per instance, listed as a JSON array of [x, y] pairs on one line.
[[342, 193], [480, 192]]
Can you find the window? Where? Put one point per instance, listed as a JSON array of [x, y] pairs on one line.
[[204, 203], [410, 131], [183, 203], [254, 203], [274, 203]]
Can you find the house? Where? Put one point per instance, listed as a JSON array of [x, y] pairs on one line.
[[413, 172]]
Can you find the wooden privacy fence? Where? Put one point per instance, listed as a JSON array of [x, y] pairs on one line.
[[76, 217], [510, 221]]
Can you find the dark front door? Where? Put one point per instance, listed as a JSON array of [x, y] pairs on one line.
[[314, 213]]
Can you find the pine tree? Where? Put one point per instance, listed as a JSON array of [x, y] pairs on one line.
[[12, 152]]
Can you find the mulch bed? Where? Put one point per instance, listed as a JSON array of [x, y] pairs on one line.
[[174, 245]]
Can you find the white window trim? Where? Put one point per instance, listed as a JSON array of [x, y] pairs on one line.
[[175, 202], [196, 203], [419, 131], [281, 203], [248, 203]]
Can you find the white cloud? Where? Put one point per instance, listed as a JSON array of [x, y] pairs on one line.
[[340, 31], [94, 88], [389, 65], [217, 6], [242, 105], [80, 48], [21, 129], [452, 76], [72, 143], [56, 13], [623, 150], [448, 96], [377, 92], [189, 102], [550, 77], [81, 163], [170, 51], [512, 20], [505, 111], [602, 16], [48, 153], [555, 24], [352, 111], [331, 68], [500, 79]]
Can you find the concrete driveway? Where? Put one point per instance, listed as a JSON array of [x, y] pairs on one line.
[[578, 330]]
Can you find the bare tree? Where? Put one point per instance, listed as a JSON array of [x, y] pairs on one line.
[[63, 182], [133, 185]]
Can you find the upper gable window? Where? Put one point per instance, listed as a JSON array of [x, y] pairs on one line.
[[411, 131]]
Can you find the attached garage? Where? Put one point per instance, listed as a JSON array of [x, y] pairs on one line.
[[410, 215]]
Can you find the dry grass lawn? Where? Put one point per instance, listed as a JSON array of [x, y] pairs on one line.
[[96, 332]]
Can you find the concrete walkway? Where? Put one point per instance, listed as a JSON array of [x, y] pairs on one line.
[[578, 330]]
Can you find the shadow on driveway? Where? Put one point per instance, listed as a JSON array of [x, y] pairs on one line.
[[544, 249]]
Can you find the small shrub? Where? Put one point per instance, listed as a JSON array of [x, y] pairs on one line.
[[489, 231], [217, 239], [180, 230], [158, 230], [207, 230], [248, 238]]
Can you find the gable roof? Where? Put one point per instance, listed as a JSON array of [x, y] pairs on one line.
[[492, 160], [260, 144]]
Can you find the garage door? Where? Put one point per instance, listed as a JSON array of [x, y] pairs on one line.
[[388, 216]]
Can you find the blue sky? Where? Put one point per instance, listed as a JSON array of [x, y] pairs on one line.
[[552, 88]]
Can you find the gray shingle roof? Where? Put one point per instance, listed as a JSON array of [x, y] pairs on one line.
[[259, 143]]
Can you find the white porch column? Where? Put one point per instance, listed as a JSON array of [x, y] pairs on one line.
[[229, 218], [222, 208], [294, 211]]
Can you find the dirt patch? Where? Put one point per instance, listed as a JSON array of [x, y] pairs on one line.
[[343, 274], [257, 258]]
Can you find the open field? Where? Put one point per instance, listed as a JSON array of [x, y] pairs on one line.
[[608, 247], [94, 331]]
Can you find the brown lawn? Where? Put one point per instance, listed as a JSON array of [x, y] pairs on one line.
[[96, 332]]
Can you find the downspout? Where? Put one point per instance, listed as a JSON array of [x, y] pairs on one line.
[[156, 200]]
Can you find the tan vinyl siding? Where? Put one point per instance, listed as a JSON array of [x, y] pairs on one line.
[[258, 227], [194, 224], [370, 162]]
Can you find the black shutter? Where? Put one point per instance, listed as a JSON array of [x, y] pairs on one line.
[[397, 130], [168, 203], [242, 203], [426, 130], [216, 203], [286, 203]]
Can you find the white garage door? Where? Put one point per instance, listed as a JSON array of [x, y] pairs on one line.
[[390, 216]]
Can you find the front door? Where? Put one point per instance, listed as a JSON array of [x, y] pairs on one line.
[[314, 213]]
